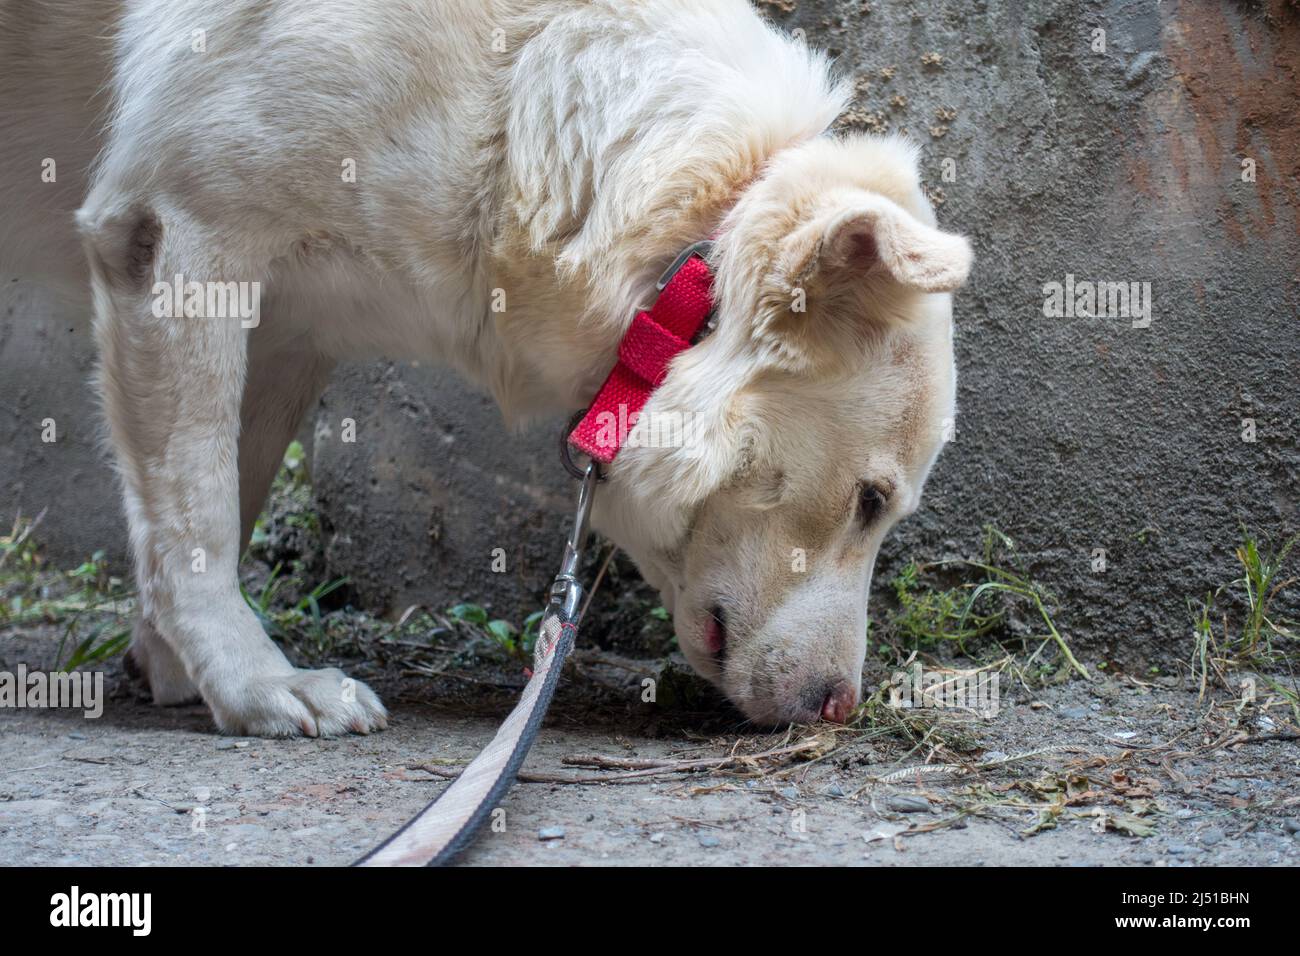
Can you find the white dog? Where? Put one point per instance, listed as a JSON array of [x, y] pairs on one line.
[[495, 184]]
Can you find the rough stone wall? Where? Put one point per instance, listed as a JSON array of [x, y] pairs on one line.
[[415, 510], [1120, 162], [46, 360]]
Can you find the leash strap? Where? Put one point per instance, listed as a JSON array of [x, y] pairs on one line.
[[447, 825]]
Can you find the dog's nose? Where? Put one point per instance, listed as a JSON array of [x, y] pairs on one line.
[[839, 703]]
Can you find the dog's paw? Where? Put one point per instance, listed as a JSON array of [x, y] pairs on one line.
[[319, 703], [150, 660]]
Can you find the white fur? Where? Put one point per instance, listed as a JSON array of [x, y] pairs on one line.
[[561, 152]]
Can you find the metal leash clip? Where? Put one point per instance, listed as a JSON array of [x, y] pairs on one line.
[[567, 592]]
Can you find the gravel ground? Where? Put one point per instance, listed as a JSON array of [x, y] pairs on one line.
[[1148, 782]]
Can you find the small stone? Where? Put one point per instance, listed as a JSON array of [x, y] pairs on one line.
[[1212, 836], [1183, 813], [226, 744], [993, 756], [835, 790], [708, 841], [656, 838], [1181, 849], [1291, 825], [1074, 713], [905, 803], [790, 793], [550, 833]]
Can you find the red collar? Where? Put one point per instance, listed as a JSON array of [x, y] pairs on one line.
[[654, 338]]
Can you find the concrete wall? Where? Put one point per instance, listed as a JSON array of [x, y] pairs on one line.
[[1122, 164], [1119, 162], [46, 358], [435, 502]]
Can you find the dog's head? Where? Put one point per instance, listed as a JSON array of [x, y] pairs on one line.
[[800, 431]]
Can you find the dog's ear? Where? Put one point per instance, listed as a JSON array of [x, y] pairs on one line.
[[875, 236]]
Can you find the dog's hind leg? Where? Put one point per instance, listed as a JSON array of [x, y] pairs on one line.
[[284, 379], [172, 387], [152, 660]]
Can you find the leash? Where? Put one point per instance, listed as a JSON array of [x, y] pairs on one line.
[[678, 318], [446, 826]]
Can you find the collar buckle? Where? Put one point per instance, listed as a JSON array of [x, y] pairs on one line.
[[703, 248]]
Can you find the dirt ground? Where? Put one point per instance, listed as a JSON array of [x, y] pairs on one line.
[[1149, 778]]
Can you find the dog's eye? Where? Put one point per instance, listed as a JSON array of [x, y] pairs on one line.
[[871, 501]]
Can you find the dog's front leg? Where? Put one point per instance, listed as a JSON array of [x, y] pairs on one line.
[[172, 385]]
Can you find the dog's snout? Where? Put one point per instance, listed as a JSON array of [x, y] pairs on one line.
[[837, 701], [831, 700]]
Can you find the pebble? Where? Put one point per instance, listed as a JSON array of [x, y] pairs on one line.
[[905, 803], [1180, 849], [550, 833], [656, 838], [1212, 836], [790, 793], [1074, 713], [1291, 825], [835, 790], [708, 841]]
